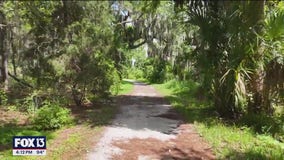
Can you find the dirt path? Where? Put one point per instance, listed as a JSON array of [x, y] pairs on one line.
[[146, 128]]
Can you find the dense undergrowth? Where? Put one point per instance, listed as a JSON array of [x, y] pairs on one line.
[[54, 119], [250, 137]]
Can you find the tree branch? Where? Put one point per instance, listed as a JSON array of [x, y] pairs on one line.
[[135, 20], [138, 45], [20, 81]]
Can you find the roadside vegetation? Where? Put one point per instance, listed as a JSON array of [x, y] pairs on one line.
[[222, 70], [125, 87], [75, 126], [60, 67], [250, 137]]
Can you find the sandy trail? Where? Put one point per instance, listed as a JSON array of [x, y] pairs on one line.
[[147, 128]]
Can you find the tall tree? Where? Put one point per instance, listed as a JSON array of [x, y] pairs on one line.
[[254, 13], [3, 51]]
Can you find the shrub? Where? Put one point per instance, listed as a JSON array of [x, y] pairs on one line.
[[264, 124], [31, 102], [134, 73], [27, 104], [3, 97], [51, 116], [116, 81], [155, 70]]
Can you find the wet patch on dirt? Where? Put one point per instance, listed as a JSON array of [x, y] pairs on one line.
[[170, 114]]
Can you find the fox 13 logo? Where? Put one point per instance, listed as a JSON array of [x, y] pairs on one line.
[[29, 145]]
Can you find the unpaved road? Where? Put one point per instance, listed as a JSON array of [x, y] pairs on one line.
[[146, 128]]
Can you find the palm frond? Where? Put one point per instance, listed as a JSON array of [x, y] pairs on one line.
[[275, 25]]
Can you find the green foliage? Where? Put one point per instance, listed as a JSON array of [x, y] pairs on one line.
[[12, 108], [229, 140], [151, 69], [116, 82], [134, 73], [125, 87], [3, 97], [63, 47], [155, 70], [229, 54], [51, 116], [186, 98], [134, 63], [8, 131], [264, 124], [28, 104], [34, 100], [88, 69]]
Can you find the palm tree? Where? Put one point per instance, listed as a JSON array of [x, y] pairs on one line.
[[273, 39]]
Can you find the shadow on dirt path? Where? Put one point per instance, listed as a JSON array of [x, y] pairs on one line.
[[146, 127]]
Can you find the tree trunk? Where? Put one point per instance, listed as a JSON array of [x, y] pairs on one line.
[[3, 53], [14, 52], [255, 19]]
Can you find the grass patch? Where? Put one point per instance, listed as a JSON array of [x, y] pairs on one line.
[[71, 142], [7, 132], [234, 140], [65, 143], [74, 143], [77, 141], [125, 87]]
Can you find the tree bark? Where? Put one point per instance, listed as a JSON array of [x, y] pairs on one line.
[[14, 52], [3, 52], [255, 19]]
